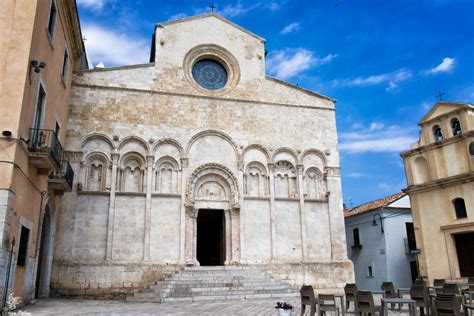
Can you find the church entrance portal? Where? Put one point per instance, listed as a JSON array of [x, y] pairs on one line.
[[465, 251], [210, 237]]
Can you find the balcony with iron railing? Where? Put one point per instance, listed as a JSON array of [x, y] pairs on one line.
[[45, 150], [61, 181]]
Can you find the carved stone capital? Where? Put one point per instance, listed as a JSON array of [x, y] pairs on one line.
[[149, 160], [184, 162], [240, 165], [271, 167], [300, 169], [191, 212], [115, 157]]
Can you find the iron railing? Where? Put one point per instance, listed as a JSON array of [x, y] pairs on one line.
[[65, 173], [45, 141]]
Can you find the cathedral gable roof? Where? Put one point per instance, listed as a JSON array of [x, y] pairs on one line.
[[211, 15]]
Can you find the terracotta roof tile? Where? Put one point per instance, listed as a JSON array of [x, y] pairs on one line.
[[373, 204]]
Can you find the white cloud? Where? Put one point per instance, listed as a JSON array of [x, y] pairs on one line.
[[292, 27], [94, 5], [390, 78], [376, 126], [377, 139], [177, 16], [446, 65], [288, 63], [239, 9], [272, 6], [114, 48], [355, 175]]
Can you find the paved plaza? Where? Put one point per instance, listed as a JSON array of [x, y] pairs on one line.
[[95, 307]]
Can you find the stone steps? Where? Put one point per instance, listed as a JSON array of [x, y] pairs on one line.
[[215, 283]]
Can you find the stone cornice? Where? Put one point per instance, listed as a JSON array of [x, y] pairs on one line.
[[82, 85], [441, 183]]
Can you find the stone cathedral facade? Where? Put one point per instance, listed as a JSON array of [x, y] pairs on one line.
[[198, 158]]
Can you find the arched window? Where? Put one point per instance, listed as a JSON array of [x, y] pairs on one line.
[[460, 208], [315, 186], [456, 126], [166, 175], [96, 172], [132, 174], [438, 134], [285, 179], [255, 180]]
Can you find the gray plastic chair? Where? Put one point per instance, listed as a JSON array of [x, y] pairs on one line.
[[327, 303], [308, 298]]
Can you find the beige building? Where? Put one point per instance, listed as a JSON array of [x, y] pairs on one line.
[[40, 46], [198, 158], [440, 176]]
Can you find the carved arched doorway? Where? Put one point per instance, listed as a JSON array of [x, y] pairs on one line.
[[45, 258], [212, 217]]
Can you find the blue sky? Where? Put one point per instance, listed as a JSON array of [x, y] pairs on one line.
[[383, 61]]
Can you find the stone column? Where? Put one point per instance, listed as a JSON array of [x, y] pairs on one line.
[[228, 237], [236, 235], [300, 182], [190, 237], [271, 169], [110, 224], [336, 216], [241, 228], [182, 221], [149, 177]]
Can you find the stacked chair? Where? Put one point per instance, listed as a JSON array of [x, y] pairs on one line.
[[308, 298], [419, 293], [350, 290], [365, 304]]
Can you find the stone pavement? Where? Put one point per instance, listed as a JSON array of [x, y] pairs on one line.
[[94, 307]]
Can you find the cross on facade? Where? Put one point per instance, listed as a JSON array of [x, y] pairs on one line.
[[213, 7], [440, 96]]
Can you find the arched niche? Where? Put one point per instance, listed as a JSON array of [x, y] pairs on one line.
[[211, 146], [420, 170], [97, 143], [133, 144], [285, 154], [131, 173], [212, 182], [256, 179], [315, 186], [313, 158], [256, 152], [166, 175], [168, 147], [96, 171], [285, 179]]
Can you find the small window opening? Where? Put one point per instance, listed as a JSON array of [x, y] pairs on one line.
[[23, 247], [410, 236], [438, 134], [52, 18], [355, 234], [40, 103], [65, 64], [456, 126], [370, 271], [460, 208]]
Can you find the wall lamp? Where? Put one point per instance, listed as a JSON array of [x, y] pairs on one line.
[[37, 65], [374, 222]]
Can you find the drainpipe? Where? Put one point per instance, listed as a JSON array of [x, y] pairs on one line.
[[7, 277]]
